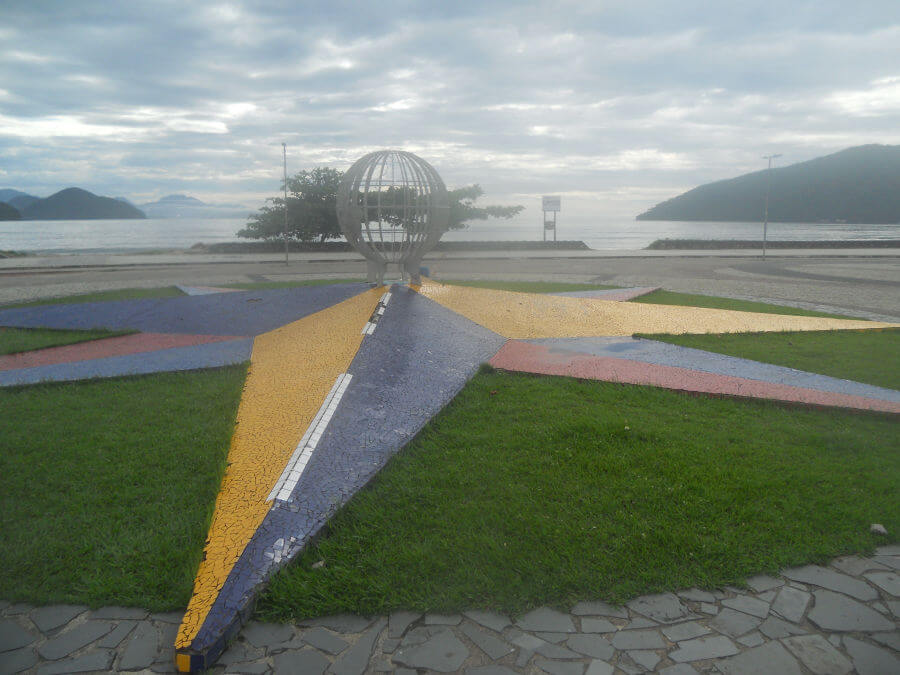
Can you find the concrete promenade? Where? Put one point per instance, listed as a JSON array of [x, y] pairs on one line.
[[859, 282]]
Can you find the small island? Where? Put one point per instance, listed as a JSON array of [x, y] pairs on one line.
[[185, 206]]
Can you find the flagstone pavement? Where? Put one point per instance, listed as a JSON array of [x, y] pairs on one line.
[[840, 618]]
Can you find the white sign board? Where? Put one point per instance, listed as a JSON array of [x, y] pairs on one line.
[[550, 203]]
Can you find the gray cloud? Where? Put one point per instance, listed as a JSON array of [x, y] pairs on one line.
[[617, 107]]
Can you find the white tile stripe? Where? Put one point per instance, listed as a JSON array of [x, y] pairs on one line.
[[369, 328], [307, 445]]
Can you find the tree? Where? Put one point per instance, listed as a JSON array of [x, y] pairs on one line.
[[463, 209], [311, 209]]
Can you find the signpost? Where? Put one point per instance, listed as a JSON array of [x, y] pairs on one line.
[[550, 204]]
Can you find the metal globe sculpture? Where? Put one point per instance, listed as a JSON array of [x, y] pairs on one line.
[[392, 207]]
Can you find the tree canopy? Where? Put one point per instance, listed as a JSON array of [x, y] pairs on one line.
[[310, 209], [463, 209], [311, 214]]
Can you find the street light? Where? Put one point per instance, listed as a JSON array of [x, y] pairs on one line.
[[771, 158], [284, 152]]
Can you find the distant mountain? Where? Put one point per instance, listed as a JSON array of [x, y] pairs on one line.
[[22, 201], [17, 198], [8, 212], [183, 206], [182, 199], [77, 204], [7, 194], [857, 185]]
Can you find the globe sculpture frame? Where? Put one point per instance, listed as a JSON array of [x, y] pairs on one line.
[[392, 207]]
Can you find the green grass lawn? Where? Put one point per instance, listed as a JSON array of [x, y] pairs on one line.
[[530, 286], [664, 297], [266, 285], [13, 340], [534, 490], [871, 356], [103, 296], [107, 486], [524, 491]]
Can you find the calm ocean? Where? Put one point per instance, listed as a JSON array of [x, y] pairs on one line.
[[83, 236]]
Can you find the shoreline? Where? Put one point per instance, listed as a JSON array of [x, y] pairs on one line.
[[482, 248], [732, 244]]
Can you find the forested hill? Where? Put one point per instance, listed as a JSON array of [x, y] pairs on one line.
[[857, 185], [8, 212], [78, 204]]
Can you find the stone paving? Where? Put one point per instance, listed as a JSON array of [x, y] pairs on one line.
[[837, 619]]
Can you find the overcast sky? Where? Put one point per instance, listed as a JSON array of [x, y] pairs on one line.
[[614, 105]]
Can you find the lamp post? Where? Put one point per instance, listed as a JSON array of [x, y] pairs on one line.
[[284, 152], [771, 158]]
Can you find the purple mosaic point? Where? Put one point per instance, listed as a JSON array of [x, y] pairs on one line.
[[241, 313]]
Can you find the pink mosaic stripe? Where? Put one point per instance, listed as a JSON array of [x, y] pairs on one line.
[[100, 349], [532, 358]]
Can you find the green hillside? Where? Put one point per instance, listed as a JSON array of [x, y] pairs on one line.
[[8, 212], [857, 185], [78, 204]]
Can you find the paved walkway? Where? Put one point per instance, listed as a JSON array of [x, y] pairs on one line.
[[181, 257], [837, 619], [845, 282]]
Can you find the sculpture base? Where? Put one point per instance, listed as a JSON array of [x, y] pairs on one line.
[[409, 272]]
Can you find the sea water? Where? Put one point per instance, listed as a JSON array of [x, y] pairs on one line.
[[83, 236]]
